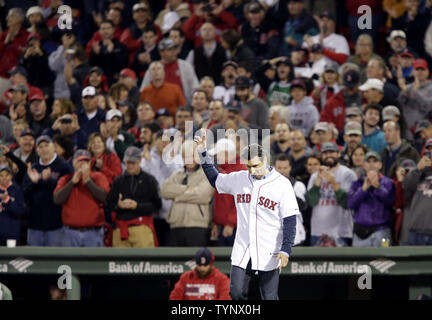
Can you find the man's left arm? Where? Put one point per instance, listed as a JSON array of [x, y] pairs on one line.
[[98, 187]]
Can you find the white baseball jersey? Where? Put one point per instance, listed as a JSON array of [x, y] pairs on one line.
[[261, 206]]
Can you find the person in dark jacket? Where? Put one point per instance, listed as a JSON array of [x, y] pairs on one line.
[[39, 118], [91, 116], [109, 54], [134, 196], [12, 206], [45, 225], [372, 197], [232, 41]]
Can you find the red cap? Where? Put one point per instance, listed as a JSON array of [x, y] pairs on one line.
[[420, 63], [406, 54], [128, 73], [36, 95], [33, 35]]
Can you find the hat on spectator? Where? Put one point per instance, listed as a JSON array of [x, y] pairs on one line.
[[33, 35], [351, 79], [132, 154], [82, 154], [406, 54], [353, 111], [243, 82], [424, 124], [18, 70], [255, 7], [420, 64], [95, 69], [322, 126], [372, 154], [328, 15], [113, 113], [5, 167], [162, 112], [330, 66], [389, 112], [229, 63], [36, 95], [27, 132], [43, 138], [139, 6], [223, 145], [329, 146], [233, 105], [396, 34], [128, 73], [284, 61], [353, 127], [373, 83], [317, 47], [166, 44], [33, 10], [20, 87], [88, 91], [298, 83], [428, 143], [408, 164], [204, 257], [300, 48], [169, 20]]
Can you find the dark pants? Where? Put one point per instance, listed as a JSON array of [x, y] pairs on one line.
[[226, 241], [268, 282], [190, 237], [419, 239], [163, 232]]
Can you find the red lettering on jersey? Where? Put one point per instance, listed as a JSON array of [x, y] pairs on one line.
[[239, 198], [248, 198], [261, 201], [272, 206], [266, 203], [243, 198]]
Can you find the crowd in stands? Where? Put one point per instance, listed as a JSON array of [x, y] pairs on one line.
[[88, 113]]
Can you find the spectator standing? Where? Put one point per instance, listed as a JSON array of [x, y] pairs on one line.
[[373, 136], [39, 118], [217, 114], [226, 90], [178, 6], [147, 52], [117, 139], [134, 197], [364, 51], [90, 116], [81, 195], [352, 137], [44, 225], [26, 147], [298, 154]]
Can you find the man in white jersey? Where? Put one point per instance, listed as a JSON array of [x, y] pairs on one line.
[[266, 219], [335, 46]]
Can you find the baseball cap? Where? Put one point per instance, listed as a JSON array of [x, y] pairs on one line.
[[351, 78], [223, 145], [395, 34], [317, 47], [328, 15], [20, 87], [284, 61], [353, 111], [372, 84], [36, 95], [5, 167], [162, 112], [233, 105], [139, 6], [353, 127], [428, 142], [82, 154], [329, 146], [95, 69], [166, 44], [408, 163], [420, 63], [389, 112], [128, 73], [18, 70], [132, 154], [113, 113], [300, 48], [32, 10], [229, 63], [424, 124], [88, 91], [27, 132], [43, 138], [330, 67], [169, 20], [406, 54], [322, 126], [372, 154], [298, 83], [204, 257], [243, 82]]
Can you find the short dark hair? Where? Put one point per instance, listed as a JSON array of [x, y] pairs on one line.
[[231, 37], [107, 21], [253, 150], [282, 157], [373, 106], [202, 91], [150, 28], [152, 126], [185, 108], [180, 31]]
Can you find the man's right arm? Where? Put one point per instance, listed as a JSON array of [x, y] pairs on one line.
[[208, 167]]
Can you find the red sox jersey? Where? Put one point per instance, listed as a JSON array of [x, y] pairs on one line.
[[261, 206]]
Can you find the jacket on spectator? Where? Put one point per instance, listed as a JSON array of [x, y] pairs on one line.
[[57, 62], [11, 210], [6, 132], [372, 207], [190, 286], [81, 209], [118, 31], [303, 115], [38, 126], [111, 166], [124, 141], [10, 53], [406, 151], [92, 125], [263, 39], [42, 212], [191, 206], [141, 68], [169, 96], [39, 73], [375, 141], [209, 66]]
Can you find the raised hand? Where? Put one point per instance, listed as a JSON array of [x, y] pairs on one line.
[[201, 141], [33, 175]]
